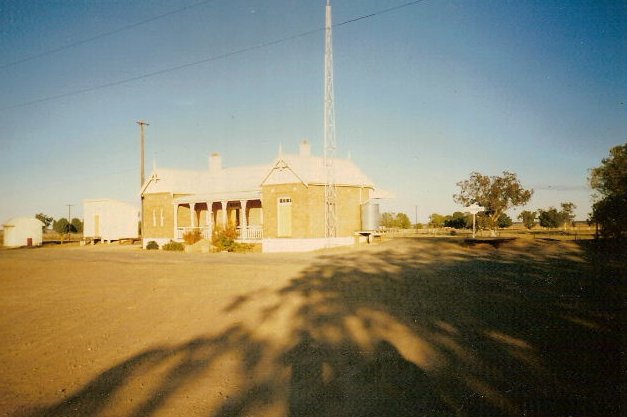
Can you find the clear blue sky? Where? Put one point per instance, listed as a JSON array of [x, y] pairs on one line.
[[425, 94]]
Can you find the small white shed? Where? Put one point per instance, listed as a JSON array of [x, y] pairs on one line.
[[23, 231], [108, 220]]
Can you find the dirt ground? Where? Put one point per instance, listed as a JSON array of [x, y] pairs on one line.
[[411, 327]]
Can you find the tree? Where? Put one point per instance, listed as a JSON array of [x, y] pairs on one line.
[[61, 225], [496, 194], [402, 221], [395, 220], [457, 220], [528, 218], [436, 220], [76, 226], [504, 221], [567, 213], [609, 180], [550, 218], [387, 219], [46, 220]]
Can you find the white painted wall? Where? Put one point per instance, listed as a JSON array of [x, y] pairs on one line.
[[18, 230], [117, 219], [303, 245]]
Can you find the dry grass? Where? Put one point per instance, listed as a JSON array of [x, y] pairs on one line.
[[411, 327]]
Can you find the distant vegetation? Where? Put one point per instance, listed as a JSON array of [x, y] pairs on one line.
[[395, 220]]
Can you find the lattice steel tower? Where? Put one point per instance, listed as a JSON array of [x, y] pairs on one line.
[[330, 192]]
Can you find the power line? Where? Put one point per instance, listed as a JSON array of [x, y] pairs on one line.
[[102, 35], [206, 60]]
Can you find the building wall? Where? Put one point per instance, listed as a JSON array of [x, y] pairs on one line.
[[109, 219], [308, 209], [158, 202]]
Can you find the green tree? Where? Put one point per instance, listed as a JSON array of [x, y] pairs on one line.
[[436, 220], [504, 221], [76, 226], [387, 219], [567, 213], [609, 180], [61, 225], [402, 221], [496, 194], [395, 220], [528, 218], [46, 220], [457, 220], [550, 218]]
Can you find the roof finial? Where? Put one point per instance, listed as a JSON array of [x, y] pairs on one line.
[[280, 149]]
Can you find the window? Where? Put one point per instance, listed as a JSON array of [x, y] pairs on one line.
[[161, 217], [154, 217]]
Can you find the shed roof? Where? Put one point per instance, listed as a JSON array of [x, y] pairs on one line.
[[23, 222]]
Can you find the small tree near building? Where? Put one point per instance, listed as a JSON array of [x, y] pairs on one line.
[[46, 220], [76, 226]]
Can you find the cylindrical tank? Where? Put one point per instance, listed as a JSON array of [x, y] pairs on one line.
[[370, 216]]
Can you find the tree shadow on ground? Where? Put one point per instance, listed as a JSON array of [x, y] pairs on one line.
[[411, 328]]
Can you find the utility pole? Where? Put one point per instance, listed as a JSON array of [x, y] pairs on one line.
[[69, 220], [141, 124], [416, 217]]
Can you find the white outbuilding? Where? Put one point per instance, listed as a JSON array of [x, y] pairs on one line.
[[108, 220], [23, 231]]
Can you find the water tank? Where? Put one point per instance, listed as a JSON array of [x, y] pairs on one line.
[[370, 216]]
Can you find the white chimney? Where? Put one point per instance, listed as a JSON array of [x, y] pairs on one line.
[[215, 163], [305, 148]]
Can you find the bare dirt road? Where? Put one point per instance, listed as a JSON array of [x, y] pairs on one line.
[[405, 328]]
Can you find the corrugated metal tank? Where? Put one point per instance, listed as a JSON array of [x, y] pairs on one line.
[[370, 217]]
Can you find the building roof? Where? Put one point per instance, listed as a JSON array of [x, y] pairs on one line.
[[311, 170], [23, 222], [247, 180]]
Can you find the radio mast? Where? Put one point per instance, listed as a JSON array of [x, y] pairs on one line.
[[330, 192]]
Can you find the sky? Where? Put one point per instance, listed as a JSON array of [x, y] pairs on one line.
[[424, 94]]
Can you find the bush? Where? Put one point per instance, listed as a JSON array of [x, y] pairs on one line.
[[224, 238], [173, 246], [192, 237], [152, 245]]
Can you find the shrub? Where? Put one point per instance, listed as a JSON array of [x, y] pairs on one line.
[[173, 246], [152, 245], [192, 237], [224, 239]]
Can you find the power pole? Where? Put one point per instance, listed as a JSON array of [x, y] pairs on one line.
[[141, 124], [330, 192], [69, 220]]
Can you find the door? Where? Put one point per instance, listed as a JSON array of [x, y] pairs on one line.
[[284, 217]]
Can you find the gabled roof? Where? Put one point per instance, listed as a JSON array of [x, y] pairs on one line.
[[176, 181], [311, 170], [286, 169]]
